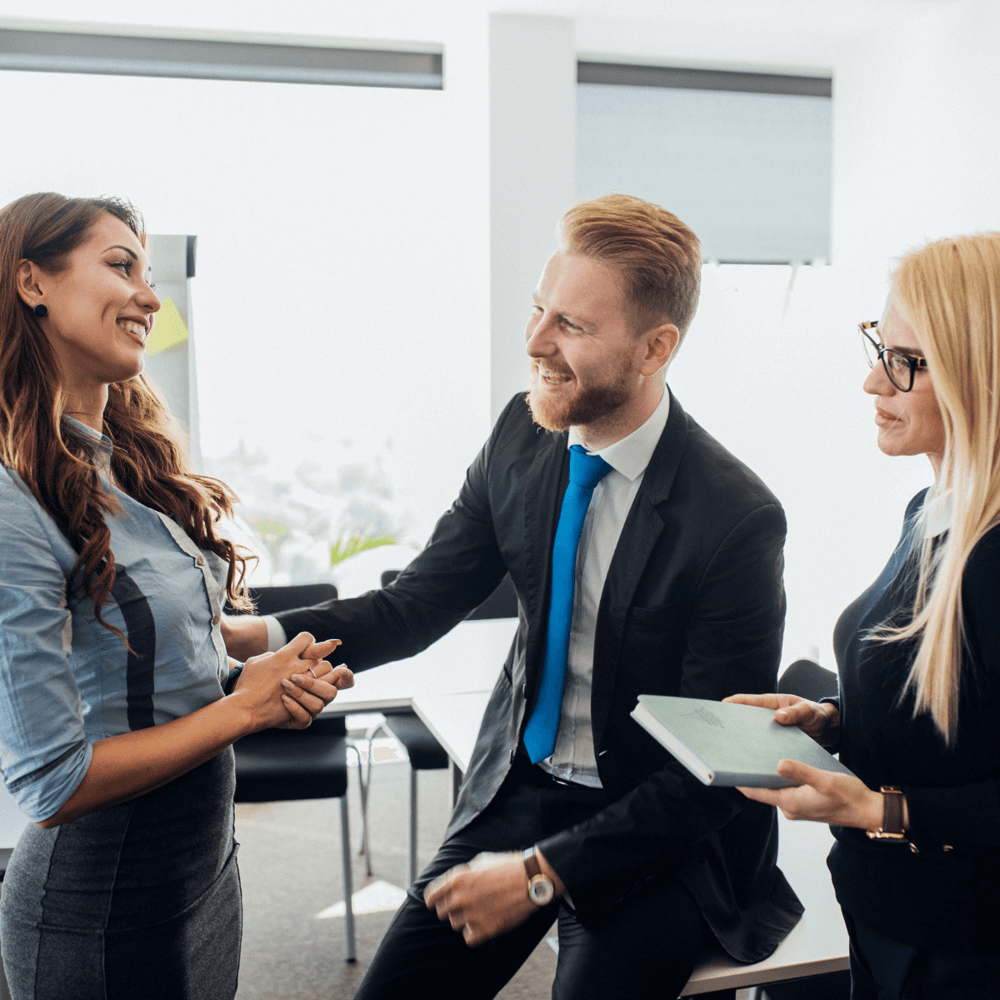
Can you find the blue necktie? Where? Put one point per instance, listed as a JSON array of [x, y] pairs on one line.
[[585, 472]]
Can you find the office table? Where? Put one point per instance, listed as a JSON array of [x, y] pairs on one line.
[[467, 659], [816, 945]]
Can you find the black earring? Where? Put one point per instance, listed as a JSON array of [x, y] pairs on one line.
[[41, 310]]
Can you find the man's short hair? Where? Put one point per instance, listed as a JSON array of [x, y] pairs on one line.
[[657, 256]]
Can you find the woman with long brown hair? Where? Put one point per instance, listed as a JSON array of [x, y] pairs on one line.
[[916, 860], [118, 705]]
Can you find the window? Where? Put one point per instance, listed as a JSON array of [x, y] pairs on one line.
[[742, 158]]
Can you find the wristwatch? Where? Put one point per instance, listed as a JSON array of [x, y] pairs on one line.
[[892, 815], [541, 891]]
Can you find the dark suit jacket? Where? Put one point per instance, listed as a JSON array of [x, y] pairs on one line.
[[693, 605]]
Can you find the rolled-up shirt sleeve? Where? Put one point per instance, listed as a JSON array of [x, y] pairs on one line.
[[44, 753]]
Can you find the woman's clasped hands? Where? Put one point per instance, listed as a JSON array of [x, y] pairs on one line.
[[820, 796], [288, 688]]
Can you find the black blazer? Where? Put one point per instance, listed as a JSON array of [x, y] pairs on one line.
[[693, 605]]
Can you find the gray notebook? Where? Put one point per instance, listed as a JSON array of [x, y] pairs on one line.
[[725, 744]]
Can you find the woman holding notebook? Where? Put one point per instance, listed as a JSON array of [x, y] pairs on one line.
[[916, 860]]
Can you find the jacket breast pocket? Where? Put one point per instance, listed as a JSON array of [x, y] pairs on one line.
[[652, 646]]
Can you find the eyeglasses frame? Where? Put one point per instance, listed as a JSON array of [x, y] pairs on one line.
[[913, 364]]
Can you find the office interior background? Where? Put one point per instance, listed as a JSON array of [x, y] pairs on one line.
[[367, 249]]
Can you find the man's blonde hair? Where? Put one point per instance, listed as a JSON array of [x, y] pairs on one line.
[[656, 255]]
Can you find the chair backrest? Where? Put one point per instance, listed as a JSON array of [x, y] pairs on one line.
[[502, 603], [808, 679], [278, 765], [272, 599]]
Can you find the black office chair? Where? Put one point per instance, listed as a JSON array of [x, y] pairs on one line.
[[423, 750], [502, 603], [281, 765], [270, 600], [808, 679]]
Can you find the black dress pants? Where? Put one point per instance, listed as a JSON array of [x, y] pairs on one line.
[[884, 969], [646, 945]]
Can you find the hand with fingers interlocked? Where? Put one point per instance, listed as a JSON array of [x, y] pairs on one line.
[[287, 689]]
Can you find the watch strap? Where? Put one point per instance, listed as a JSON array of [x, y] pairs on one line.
[[892, 815], [531, 865], [230, 683]]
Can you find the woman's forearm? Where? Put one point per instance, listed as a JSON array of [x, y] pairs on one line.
[[275, 689], [131, 764]]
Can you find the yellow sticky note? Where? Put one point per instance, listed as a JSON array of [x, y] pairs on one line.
[[169, 329]]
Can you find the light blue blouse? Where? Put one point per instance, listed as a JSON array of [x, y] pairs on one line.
[[66, 681]]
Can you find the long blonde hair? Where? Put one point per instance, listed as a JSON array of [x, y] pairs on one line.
[[149, 461], [950, 291]]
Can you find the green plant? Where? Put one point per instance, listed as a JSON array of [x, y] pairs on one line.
[[346, 546]]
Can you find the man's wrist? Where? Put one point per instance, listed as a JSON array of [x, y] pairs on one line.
[[550, 873], [276, 636], [541, 890], [244, 635]]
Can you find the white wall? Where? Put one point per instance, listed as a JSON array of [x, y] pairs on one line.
[[916, 149], [916, 143], [532, 128], [357, 315]]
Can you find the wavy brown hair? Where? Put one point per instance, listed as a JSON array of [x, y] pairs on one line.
[[149, 461]]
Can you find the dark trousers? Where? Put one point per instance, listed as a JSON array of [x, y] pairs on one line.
[[645, 945], [884, 969]]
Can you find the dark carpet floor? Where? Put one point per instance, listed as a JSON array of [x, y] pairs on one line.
[[290, 869]]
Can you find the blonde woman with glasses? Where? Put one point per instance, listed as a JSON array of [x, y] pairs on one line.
[[916, 859]]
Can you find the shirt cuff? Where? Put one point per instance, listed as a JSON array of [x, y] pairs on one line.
[[275, 633]]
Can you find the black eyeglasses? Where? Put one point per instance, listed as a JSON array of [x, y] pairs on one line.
[[898, 366]]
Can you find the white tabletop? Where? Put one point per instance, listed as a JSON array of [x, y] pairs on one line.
[[454, 719], [817, 944], [468, 658]]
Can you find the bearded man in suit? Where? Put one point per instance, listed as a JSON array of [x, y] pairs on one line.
[[671, 585]]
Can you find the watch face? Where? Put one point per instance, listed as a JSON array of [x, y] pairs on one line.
[[540, 890]]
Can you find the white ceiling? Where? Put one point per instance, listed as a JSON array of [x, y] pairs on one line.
[[752, 34], [777, 35]]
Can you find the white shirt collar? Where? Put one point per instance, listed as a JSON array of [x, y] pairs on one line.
[[632, 453], [939, 509]]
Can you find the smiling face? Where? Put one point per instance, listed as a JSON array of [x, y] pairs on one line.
[[100, 307], [909, 423], [588, 367]]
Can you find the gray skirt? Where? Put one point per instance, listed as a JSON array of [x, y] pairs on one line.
[[138, 900]]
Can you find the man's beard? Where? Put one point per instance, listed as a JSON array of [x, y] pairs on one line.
[[587, 405]]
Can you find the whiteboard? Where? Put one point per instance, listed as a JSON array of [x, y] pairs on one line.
[[170, 348]]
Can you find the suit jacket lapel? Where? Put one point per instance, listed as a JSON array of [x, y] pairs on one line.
[[639, 536], [543, 489]]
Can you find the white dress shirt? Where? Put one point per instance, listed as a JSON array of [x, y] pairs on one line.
[[573, 758]]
